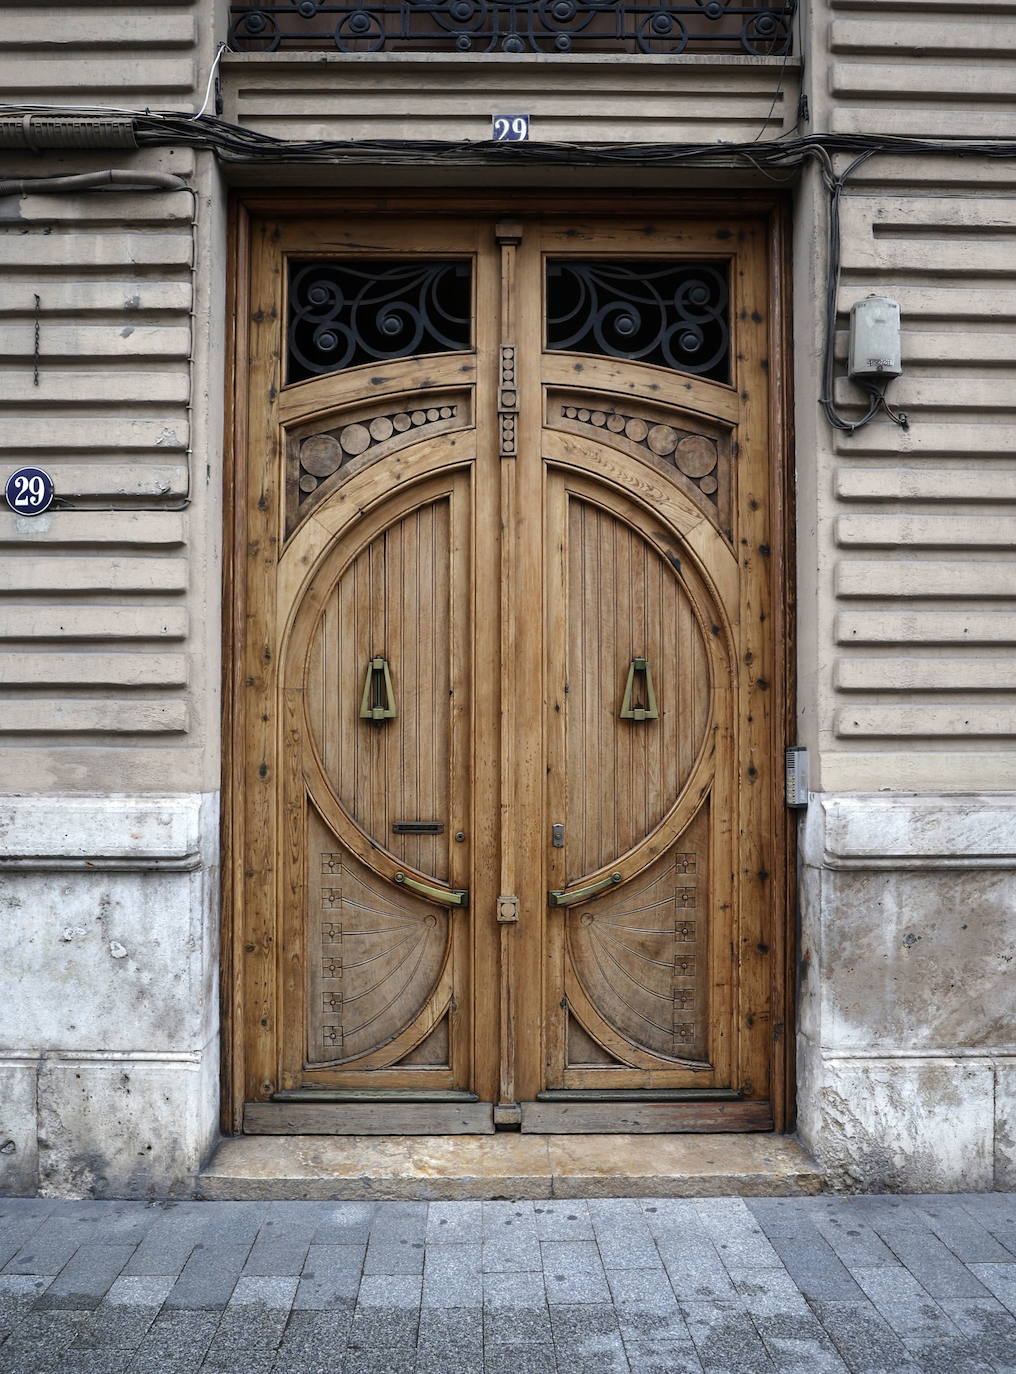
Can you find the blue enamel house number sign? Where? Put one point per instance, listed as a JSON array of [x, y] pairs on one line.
[[510, 128], [29, 491]]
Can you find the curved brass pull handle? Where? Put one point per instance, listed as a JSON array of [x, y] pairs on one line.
[[580, 894], [445, 895]]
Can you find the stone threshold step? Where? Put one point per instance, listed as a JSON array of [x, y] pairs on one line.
[[506, 1165]]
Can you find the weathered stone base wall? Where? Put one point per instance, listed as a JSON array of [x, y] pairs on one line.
[[109, 1046], [907, 1040]]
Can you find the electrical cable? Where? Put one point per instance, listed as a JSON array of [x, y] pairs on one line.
[[776, 160]]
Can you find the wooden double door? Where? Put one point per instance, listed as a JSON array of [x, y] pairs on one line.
[[507, 838]]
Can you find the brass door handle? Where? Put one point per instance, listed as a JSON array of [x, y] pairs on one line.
[[447, 896], [580, 894], [639, 701], [378, 701]]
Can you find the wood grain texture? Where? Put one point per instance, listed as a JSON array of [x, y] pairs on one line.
[[509, 595]]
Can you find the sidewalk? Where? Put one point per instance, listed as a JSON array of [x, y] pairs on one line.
[[815, 1284]]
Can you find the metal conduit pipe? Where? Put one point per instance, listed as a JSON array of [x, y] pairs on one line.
[[87, 181]]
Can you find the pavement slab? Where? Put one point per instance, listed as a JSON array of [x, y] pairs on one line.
[[595, 1285]]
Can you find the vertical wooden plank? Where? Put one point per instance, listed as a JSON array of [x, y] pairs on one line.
[[484, 828], [760, 850], [258, 778]]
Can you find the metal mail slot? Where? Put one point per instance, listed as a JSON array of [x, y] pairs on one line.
[[417, 827]]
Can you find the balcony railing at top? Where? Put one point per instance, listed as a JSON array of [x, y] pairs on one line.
[[656, 27]]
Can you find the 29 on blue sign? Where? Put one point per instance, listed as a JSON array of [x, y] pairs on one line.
[[29, 491], [510, 128]]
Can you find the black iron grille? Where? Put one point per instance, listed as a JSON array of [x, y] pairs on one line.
[[517, 26], [368, 310], [671, 314]]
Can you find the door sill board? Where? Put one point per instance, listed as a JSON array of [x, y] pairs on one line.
[[507, 1165], [377, 1117], [644, 1116]]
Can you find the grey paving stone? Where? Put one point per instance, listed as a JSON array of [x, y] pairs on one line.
[[143, 1363], [934, 1264], [14, 1207], [454, 1223], [906, 1306], [395, 1221], [42, 1334], [345, 1223], [122, 1323], [147, 1290], [240, 1361], [280, 1249], [736, 1235], [453, 1276], [693, 1266], [725, 1338], [968, 1240], [863, 1338], [16, 1232], [501, 1219], [855, 1244], [18, 1294], [75, 1361], [273, 1294], [787, 1217], [209, 1277], [316, 1339], [646, 1307], [623, 1235], [331, 1276], [952, 1356], [390, 1290], [113, 1223], [511, 1253], [532, 1359], [663, 1357], [999, 1279], [247, 1328], [573, 1272], [394, 1256], [87, 1277], [374, 1328], [183, 1336], [573, 1324], [563, 1221], [48, 1249], [515, 1309], [383, 1360], [988, 1324], [816, 1269], [450, 1341], [797, 1344], [769, 1292], [387, 1312], [169, 1242]]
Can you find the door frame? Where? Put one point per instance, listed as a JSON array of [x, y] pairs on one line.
[[244, 210]]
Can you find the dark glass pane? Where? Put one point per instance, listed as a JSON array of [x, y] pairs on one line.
[[343, 313], [761, 28], [672, 314]]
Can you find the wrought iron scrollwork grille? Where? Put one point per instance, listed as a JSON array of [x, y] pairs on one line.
[[671, 314], [364, 310], [754, 27]]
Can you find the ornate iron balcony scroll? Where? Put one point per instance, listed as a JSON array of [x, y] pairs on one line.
[[657, 27]]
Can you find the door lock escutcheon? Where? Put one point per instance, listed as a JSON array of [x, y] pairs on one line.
[[557, 836]]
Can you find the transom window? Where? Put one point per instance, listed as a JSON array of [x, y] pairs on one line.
[[751, 27]]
